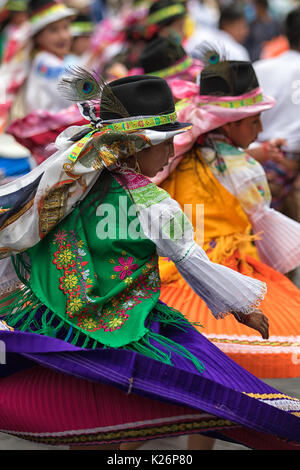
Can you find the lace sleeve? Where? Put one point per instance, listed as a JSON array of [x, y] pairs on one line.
[[223, 289], [278, 243]]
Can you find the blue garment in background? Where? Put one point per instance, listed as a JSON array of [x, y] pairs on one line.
[[14, 166], [97, 12]]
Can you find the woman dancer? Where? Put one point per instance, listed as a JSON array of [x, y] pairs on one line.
[[240, 230], [85, 228]]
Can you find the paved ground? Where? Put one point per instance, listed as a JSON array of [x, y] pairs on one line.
[[287, 386]]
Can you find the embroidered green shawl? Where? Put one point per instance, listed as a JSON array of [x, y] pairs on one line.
[[93, 291]]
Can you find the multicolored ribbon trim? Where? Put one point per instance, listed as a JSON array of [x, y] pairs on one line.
[[239, 103], [234, 104], [165, 13], [141, 123], [82, 28], [79, 146], [184, 64], [47, 11], [123, 126]]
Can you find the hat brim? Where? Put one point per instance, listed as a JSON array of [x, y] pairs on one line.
[[52, 18], [230, 114], [158, 135], [176, 127]]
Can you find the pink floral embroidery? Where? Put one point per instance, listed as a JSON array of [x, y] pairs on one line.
[[60, 237], [134, 180], [126, 268]]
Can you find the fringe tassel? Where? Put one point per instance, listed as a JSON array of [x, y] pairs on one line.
[[178, 349], [226, 246], [167, 316], [144, 347], [27, 313]]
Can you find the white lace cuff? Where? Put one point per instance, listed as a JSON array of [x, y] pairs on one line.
[[222, 289]]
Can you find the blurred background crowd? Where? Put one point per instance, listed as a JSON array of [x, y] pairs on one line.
[[40, 39], [252, 27]]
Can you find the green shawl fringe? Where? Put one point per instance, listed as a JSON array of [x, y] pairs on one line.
[[27, 313]]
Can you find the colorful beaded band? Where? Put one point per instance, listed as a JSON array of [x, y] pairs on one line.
[[165, 13], [141, 123], [47, 11], [240, 103], [174, 69], [236, 103]]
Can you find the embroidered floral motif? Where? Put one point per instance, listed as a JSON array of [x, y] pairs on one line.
[[88, 323], [71, 259], [114, 314], [126, 268], [128, 304], [115, 323], [75, 280], [76, 304], [69, 281], [128, 281], [153, 280], [60, 237], [64, 258]]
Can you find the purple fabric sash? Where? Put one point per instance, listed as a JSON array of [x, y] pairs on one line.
[[221, 390]]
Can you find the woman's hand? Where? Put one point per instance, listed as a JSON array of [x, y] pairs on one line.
[[270, 150], [256, 320], [274, 151]]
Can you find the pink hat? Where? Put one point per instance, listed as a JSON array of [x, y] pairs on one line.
[[228, 91], [208, 112]]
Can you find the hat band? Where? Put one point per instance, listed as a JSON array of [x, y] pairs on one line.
[[233, 104], [141, 122], [184, 64], [47, 11], [82, 28], [165, 13], [124, 126]]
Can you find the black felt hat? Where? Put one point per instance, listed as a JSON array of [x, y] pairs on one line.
[[142, 96], [165, 12], [161, 53], [228, 78]]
